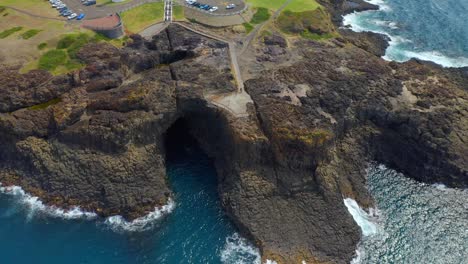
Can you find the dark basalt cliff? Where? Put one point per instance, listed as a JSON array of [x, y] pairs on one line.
[[95, 138]]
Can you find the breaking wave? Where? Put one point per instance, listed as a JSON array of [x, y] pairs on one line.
[[118, 224], [36, 206], [238, 251], [417, 222], [366, 221], [412, 33]]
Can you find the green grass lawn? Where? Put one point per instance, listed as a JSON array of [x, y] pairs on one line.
[[138, 18], [178, 12], [302, 5], [295, 5], [270, 4]]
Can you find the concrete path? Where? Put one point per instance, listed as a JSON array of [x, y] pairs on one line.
[[153, 30]]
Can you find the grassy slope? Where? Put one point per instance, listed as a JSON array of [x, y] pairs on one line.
[[178, 12], [270, 4], [295, 5], [302, 5], [138, 18]]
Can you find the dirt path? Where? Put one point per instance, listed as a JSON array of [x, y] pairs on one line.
[[253, 35]]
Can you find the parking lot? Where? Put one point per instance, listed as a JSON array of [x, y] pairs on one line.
[[221, 4]]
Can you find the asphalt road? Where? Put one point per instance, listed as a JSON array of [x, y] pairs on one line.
[[95, 11], [221, 4]]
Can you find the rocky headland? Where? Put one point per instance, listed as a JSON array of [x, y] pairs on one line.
[[95, 137]]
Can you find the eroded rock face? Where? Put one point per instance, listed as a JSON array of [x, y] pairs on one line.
[[95, 138]]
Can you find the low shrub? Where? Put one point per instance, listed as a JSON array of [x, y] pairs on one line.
[[52, 59], [260, 16], [30, 33], [10, 31]]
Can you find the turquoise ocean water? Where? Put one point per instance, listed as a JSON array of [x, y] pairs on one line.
[[194, 230], [434, 30]]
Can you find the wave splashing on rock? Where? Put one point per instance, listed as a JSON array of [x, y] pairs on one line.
[[421, 223], [118, 224], [238, 251], [36, 206], [415, 22]]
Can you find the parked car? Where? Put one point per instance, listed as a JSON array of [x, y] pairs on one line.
[[213, 9], [80, 16], [72, 16], [90, 2], [230, 6]]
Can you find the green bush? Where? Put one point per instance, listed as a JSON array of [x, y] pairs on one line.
[[30, 33], [10, 31], [248, 27], [260, 16], [66, 41], [73, 43], [52, 59], [42, 46]]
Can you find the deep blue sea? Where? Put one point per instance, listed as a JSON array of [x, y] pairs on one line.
[[434, 30], [195, 231]]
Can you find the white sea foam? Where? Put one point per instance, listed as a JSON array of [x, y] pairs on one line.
[[118, 224], [238, 251], [366, 221], [440, 186], [34, 205], [394, 52], [359, 256], [271, 262], [434, 56]]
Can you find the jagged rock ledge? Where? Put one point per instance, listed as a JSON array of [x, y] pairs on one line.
[[95, 138]]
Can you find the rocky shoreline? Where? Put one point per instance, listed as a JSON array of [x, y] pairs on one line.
[[95, 138]]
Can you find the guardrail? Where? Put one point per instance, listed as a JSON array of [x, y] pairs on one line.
[[214, 13]]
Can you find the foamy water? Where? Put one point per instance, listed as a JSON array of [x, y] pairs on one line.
[[35, 206], [118, 224], [237, 250], [428, 30], [415, 223]]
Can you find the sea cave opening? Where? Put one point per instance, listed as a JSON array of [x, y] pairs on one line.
[[198, 228]]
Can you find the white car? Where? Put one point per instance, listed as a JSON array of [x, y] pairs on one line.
[[214, 8], [190, 2], [72, 16], [230, 6]]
